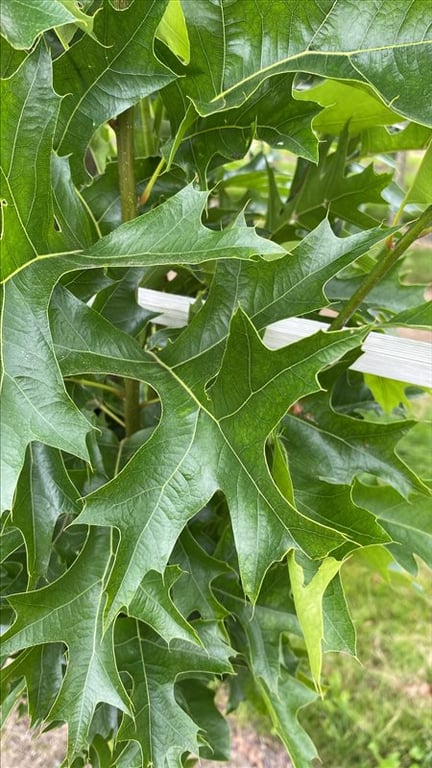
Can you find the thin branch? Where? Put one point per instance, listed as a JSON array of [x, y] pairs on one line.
[[386, 260]]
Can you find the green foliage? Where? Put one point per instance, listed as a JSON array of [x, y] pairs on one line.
[[178, 503], [377, 714]]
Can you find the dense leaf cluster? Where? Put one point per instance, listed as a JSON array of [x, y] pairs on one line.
[[144, 564]]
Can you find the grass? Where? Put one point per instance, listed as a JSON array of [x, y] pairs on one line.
[[417, 266], [378, 714], [377, 711]]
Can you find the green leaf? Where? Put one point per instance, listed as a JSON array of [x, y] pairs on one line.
[[42, 669], [329, 189], [103, 196], [184, 239], [117, 303], [339, 631], [73, 218], [23, 20], [420, 190], [98, 83], [194, 590], [70, 610], [324, 499], [10, 58], [35, 404], [283, 710], [219, 429], [270, 114], [342, 447], [81, 20], [345, 103], [408, 523], [28, 100], [377, 140], [172, 30], [393, 57], [285, 287], [388, 393], [25, 323], [45, 492], [389, 295], [308, 588], [152, 603], [414, 317], [198, 701], [161, 727], [264, 625], [10, 540]]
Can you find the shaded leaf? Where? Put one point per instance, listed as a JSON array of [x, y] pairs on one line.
[[10, 58], [42, 669], [263, 625], [343, 447], [198, 701], [333, 189], [270, 115], [325, 499], [45, 492], [283, 710], [100, 82], [70, 610], [390, 295], [415, 317], [161, 727], [73, 218], [339, 630], [194, 590], [408, 523], [152, 603], [10, 540]]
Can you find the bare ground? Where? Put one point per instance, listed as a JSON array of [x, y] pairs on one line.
[[21, 749]]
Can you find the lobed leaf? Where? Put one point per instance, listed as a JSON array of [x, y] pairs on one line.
[[23, 20], [70, 611]]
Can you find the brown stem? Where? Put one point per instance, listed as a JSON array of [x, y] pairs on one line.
[[126, 156]]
